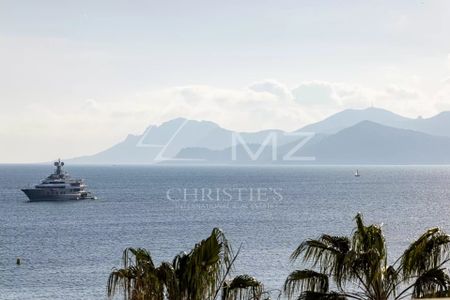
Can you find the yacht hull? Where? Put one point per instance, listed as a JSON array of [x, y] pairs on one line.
[[35, 195]]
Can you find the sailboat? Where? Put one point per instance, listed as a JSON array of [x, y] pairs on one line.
[[357, 173]]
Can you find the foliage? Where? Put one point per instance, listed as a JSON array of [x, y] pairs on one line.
[[358, 266], [242, 287], [198, 275]]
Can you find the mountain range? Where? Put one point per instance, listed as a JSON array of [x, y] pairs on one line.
[[367, 136], [438, 125]]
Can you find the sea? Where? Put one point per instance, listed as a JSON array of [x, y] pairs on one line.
[[68, 249]]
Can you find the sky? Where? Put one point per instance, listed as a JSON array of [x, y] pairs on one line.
[[78, 76]]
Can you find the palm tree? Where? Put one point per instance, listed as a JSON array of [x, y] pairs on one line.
[[198, 275], [358, 267], [139, 278], [242, 287]]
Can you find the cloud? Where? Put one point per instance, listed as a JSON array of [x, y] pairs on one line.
[[399, 92], [322, 97], [314, 93], [272, 87], [91, 105], [259, 106], [331, 94], [443, 97], [446, 80]]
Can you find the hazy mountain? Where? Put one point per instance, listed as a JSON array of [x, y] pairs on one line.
[[350, 117], [364, 143], [165, 141], [247, 154], [437, 125], [371, 143], [352, 136]]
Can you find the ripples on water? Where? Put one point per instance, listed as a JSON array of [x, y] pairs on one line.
[[69, 248]]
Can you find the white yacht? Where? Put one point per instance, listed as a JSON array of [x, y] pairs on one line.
[[59, 186]]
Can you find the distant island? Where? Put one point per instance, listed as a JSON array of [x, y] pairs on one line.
[[367, 136]]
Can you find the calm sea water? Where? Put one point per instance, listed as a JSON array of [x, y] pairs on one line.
[[69, 248]]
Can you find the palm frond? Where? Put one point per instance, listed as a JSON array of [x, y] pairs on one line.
[[432, 283], [167, 276], [201, 271], [196, 275], [242, 287], [120, 278], [207, 263], [137, 278], [367, 238], [427, 252], [134, 285], [321, 296], [314, 249], [362, 264], [391, 280], [306, 280], [329, 253]]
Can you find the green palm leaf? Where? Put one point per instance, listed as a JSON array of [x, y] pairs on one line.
[[321, 296], [427, 252], [433, 283], [197, 275], [330, 253], [242, 287], [308, 280], [359, 266], [137, 279]]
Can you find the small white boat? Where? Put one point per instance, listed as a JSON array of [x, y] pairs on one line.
[[357, 173]]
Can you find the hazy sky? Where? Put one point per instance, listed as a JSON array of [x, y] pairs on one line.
[[78, 76]]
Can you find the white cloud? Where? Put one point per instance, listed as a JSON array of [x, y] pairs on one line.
[[319, 97], [272, 87], [443, 97], [91, 105], [260, 106], [323, 93], [401, 93], [446, 80]]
